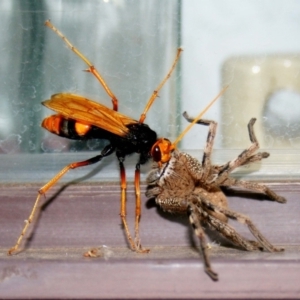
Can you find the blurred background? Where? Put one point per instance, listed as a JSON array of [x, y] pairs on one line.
[[252, 45]]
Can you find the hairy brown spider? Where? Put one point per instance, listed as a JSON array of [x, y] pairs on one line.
[[181, 184]]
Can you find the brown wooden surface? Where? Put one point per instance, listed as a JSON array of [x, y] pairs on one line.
[[86, 216]]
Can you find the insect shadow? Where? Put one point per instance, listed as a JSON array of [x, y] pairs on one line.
[[48, 201]]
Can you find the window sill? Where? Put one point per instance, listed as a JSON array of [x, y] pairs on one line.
[[53, 267]]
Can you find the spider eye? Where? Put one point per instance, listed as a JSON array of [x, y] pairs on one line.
[[156, 154]]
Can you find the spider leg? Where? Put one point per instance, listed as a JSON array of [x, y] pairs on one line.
[[242, 219], [206, 160], [252, 159], [225, 229], [256, 157], [194, 219], [245, 157], [254, 187]]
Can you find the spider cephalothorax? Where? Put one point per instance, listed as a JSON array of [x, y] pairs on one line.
[[184, 185]]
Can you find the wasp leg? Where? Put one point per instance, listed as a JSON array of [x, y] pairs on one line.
[[123, 204], [137, 240], [91, 68], [155, 93], [106, 151], [134, 246]]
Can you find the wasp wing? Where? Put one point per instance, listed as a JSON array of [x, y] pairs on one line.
[[84, 110]]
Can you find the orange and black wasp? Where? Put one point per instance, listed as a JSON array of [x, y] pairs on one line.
[[79, 118]]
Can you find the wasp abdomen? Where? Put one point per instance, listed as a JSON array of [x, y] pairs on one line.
[[64, 127]]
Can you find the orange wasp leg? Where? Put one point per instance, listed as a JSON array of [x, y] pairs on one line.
[[91, 68], [106, 151], [123, 206], [138, 209], [155, 93]]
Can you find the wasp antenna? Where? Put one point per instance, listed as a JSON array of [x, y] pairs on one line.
[[199, 116], [155, 93]]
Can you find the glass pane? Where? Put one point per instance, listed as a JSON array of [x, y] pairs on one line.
[[253, 46], [131, 43]]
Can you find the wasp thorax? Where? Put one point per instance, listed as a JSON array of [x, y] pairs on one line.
[[161, 150]]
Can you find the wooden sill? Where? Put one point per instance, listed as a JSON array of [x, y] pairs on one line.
[[84, 216]]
